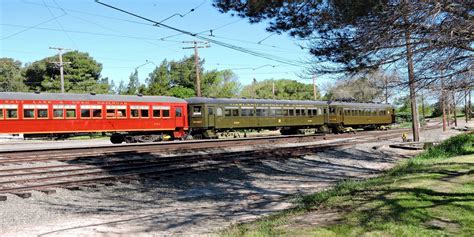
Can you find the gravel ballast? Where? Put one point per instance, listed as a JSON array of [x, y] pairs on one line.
[[198, 203]]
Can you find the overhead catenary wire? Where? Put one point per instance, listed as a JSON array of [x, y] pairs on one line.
[[165, 37], [185, 14], [59, 23], [223, 44], [30, 27]]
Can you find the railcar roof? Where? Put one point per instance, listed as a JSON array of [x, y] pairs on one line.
[[205, 100], [365, 105], [86, 97]]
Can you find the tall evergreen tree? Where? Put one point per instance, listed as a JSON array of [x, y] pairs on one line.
[[133, 84], [81, 74], [11, 78]]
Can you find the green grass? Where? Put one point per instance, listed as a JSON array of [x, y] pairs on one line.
[[431, 194]]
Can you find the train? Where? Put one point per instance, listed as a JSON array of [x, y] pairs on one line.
[[139, 118]]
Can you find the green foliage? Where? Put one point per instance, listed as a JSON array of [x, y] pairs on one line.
[[429, 195], [133, 84], [177, 78], [220, 84], [81, 74], [285, 89], [11, 78]]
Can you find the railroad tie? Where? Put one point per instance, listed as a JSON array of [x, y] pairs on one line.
[[48, 191], [22, 195]]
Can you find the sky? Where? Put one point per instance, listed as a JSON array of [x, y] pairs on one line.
[[28, 28]]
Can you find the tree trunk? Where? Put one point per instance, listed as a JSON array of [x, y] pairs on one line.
[[412, 84], [469, 105], [443, 103], [454, 109], [423, 105], [465, 105]]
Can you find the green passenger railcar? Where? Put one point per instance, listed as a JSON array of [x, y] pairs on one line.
[[209, 115], [359, 115]]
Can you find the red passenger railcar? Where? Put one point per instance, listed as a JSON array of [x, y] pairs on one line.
[[129, 118]]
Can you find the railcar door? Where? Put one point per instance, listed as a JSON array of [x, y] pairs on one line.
[[179, 117], [211, 111]]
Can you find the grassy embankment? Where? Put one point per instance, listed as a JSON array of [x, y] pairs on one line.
[[431, 194]]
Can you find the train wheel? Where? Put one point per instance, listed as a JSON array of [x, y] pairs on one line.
[[116, 138]]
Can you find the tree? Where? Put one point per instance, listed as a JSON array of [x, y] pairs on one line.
[[366, 87], [177, 78], [351, 36], [158, 80], [11, 78], [81, 74], [221, 84], [133, 84], [285, 89]]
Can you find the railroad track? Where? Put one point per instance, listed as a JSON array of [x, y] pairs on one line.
[[146, 161]]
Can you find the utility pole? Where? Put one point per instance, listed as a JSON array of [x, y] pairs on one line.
[[314, 87], [197, 44], [61, 64]]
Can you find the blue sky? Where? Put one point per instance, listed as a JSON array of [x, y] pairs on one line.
[[121, 42]]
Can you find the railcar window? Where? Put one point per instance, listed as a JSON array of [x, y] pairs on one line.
[[110, 113], [12, 113], [262, 112], [235, 112], [178, 112], [303, 112], [325, 111], [332, 111], [272, 112], [285, 112], [85, 113], [166, 113], [156, 113], [219, 111], [28, 113], [70, 113], [210, 111], [291, 112], [121, 113], [298, 112], [279, 112], [134, 113], [1, 113], [197, 111], [247, 112], [58, 113], [144, 113], [42, 113], [97, 113], [227, 112]]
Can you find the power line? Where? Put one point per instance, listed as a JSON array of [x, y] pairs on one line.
[[223, 44], [183, 15], [85, 32], [59, 23], [210, 30], [31, 27], [88, 13]]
